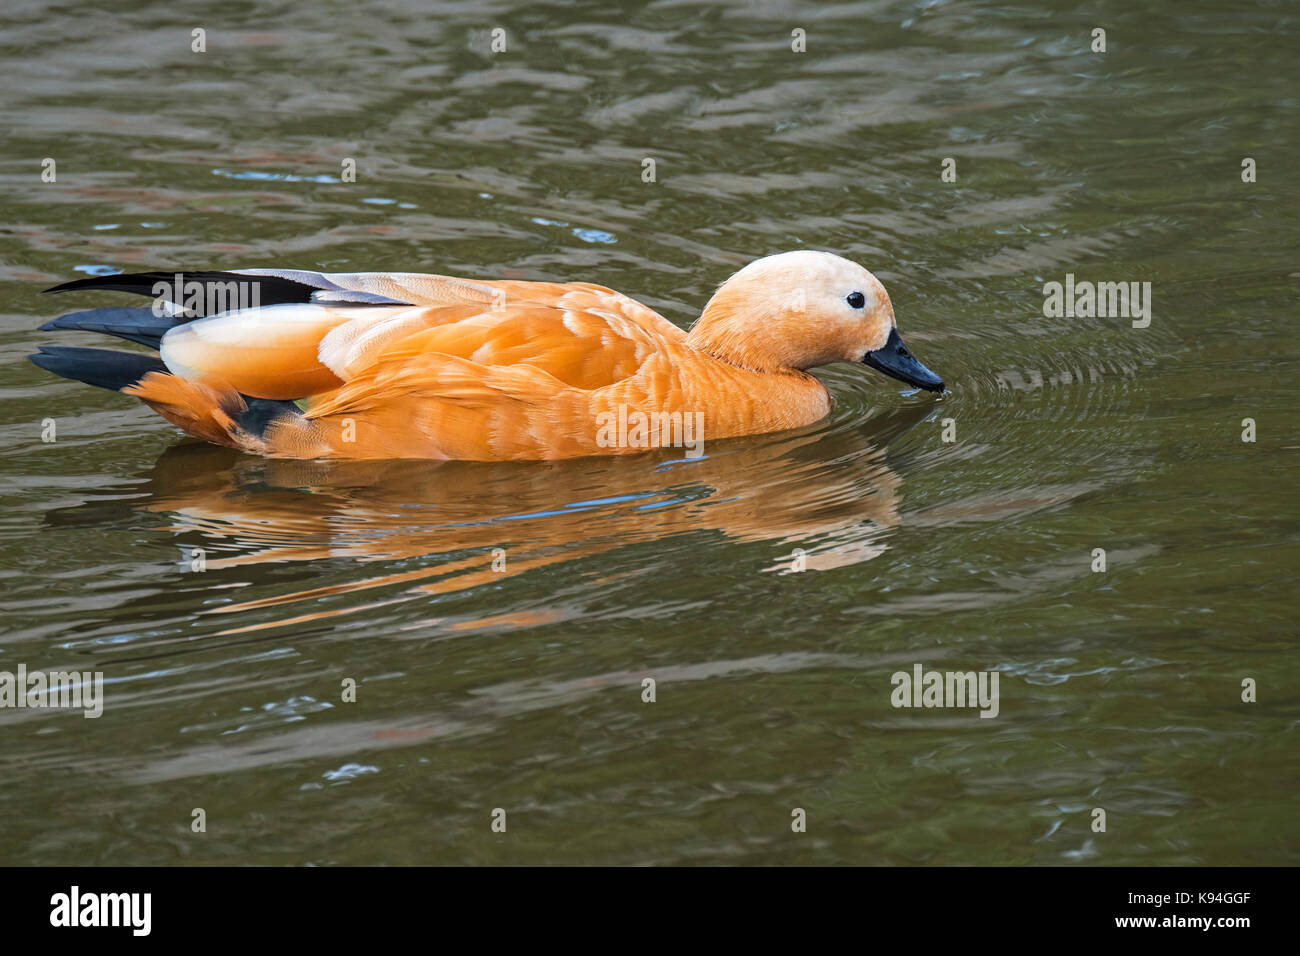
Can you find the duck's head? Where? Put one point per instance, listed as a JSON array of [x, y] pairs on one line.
[[798, 310]]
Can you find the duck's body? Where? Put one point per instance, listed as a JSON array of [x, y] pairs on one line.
[[374, 365]]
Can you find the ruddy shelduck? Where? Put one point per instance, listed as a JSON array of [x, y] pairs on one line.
[[295, 364]]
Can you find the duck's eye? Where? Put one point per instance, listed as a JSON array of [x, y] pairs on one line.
[[856, 299]]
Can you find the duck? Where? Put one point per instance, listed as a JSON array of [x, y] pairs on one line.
[[287, 363]]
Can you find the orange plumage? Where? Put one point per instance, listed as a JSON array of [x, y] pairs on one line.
[[424, 366]]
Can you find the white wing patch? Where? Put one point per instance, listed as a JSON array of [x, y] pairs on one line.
[[185, 349]]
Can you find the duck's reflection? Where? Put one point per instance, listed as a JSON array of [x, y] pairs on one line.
[[823, 498]]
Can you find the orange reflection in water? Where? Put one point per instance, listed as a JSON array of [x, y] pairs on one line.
[[828, 492]]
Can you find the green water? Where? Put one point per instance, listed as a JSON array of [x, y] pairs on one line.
[[521, 688]]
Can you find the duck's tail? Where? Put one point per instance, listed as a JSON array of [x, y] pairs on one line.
[[219, 415], [103, 368], [209, 411]]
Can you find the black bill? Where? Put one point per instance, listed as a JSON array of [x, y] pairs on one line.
[[896, 361]]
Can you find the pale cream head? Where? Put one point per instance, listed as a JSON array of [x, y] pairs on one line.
[[798, 310]]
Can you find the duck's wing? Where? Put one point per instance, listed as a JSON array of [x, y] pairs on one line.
[[585, 336]]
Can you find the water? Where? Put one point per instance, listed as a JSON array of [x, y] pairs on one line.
[[521, 688]]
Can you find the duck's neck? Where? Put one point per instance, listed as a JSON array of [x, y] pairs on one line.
[[720, 333]]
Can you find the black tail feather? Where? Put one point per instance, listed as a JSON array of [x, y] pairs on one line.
[[135, 325], [271, 290], [105, 368]]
